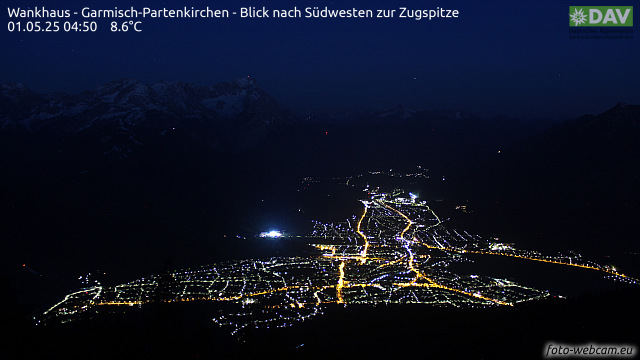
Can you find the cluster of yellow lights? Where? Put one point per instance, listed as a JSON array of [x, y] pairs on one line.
[[341, 283], [332, 248], [420, 280], [419, 275]]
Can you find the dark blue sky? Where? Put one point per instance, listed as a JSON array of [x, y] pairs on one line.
[[498, 57]]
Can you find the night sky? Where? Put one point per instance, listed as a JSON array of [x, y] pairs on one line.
[[499, 57]]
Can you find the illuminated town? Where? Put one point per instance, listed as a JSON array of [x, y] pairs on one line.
[[396, 251]]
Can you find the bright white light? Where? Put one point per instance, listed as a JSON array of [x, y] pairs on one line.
[[413, 196], [271, 234]]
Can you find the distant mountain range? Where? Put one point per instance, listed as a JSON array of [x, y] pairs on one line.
[[127, 117], [230, 116], [575, 184], [596, 154]]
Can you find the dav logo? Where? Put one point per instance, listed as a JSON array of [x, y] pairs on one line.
[[601, 15]]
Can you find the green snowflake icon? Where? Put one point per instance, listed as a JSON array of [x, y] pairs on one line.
[[578, 17]]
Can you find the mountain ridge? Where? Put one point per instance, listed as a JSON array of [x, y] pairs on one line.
[[584, 172], [235, 115]]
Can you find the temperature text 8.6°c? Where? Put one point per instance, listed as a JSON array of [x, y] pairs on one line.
[[126, 26], [52, 26]]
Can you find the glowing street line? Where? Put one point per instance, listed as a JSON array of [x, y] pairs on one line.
[[118, 303], [439, 286], [409, 222], [480, 252], [340, 283], [404, 216], [362, 259], [392, 262], [366, 241]]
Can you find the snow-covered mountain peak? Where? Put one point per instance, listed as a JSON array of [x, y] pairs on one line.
[[247, 82], [236, 114]]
